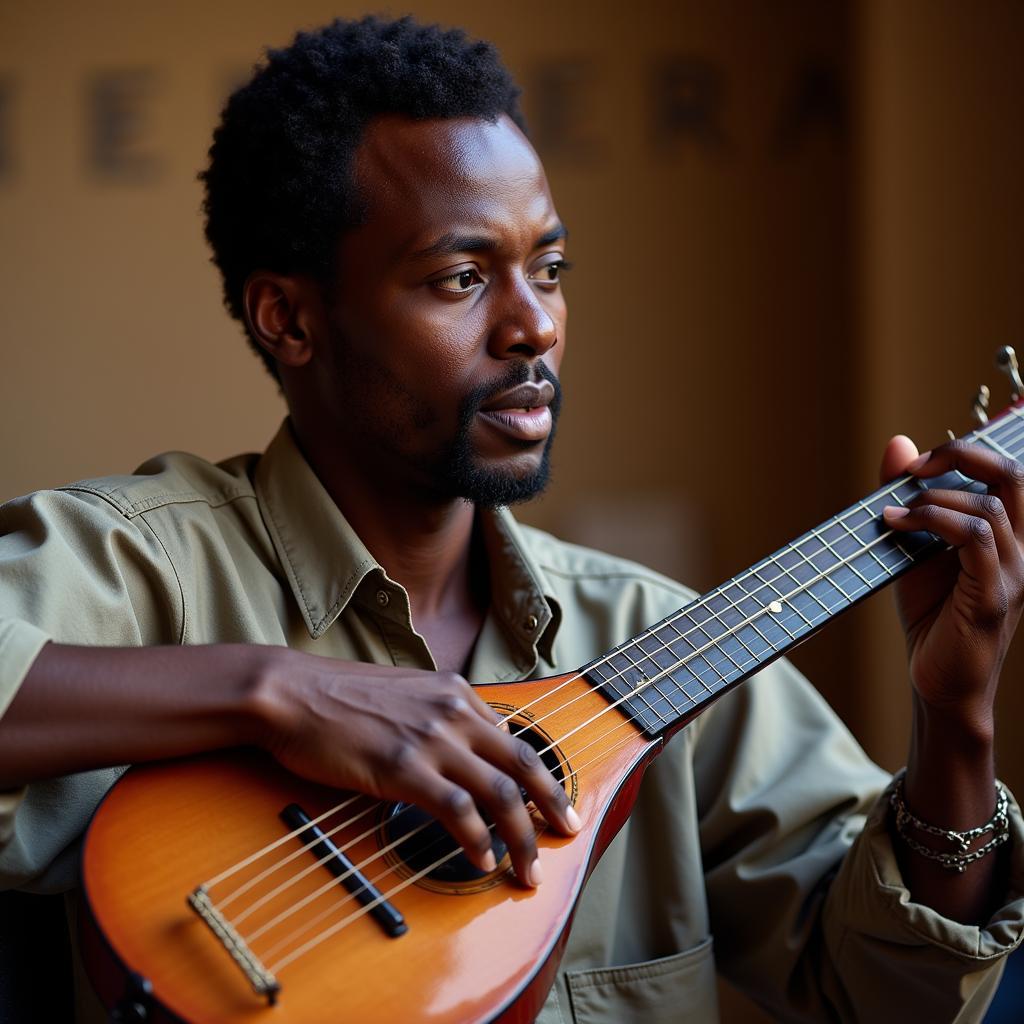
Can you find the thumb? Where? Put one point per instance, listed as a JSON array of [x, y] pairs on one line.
[[899, 453]]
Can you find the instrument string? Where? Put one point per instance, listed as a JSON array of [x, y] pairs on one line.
[[366, 908], [337, 879], [300, 850], [563, 763], [316, 863], [332, 884], [888, 490], [312, 866], [270, 847], [713, 644]]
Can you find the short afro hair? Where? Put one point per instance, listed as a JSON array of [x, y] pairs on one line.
[[279, 186]]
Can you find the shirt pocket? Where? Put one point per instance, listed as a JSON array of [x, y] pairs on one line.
[[663, 991]]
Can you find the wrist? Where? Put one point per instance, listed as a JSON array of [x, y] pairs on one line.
[[266, 709], [964, 730], [951, 766]]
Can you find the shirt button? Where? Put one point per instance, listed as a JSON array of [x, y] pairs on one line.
[[531, 623], [383, 598]]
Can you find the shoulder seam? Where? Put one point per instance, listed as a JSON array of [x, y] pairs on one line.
[[132, 509], [177, 577]]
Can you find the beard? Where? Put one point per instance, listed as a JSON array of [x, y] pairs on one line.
[[454, 470], [458, 471]]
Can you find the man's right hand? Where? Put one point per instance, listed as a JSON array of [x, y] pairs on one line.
[[407, 734], [397, 734]]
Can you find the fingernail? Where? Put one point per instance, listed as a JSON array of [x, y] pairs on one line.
[[489, 863], [895, 512], [573, 819], [536, 874], [914, 466]]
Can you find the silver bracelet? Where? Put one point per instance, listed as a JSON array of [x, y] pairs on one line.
[[998, 824]]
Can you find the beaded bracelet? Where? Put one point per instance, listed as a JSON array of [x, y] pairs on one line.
[[998, 824]]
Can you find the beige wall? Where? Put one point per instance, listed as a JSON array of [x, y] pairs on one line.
[[941, 223], [755, 306]]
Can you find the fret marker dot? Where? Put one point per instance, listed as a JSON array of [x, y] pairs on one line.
[[775, 607]]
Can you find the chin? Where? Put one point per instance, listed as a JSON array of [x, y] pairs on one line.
[[490, 486]]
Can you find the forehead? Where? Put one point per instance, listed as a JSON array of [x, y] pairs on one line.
[[421, 179]]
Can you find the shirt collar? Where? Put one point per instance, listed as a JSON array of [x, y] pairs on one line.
[[325, 561]]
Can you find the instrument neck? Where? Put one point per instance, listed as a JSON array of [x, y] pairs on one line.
[[667, 675]]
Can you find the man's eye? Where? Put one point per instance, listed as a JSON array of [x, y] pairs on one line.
[[551, 273], [458, 283]]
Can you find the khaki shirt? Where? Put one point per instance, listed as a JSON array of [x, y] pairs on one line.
[[758, 846]]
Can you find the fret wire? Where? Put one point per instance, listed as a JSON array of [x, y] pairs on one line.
[[775, 619], [755, 572], [1008, 441], [1008, 423], [869, 583], [746, 598], [753, 658], [700, 651], [995, 446], [830, 572], [641, 694], [764, 639], [727, 630], [810, 537], [715, 668], [746, 646], [898, 544], [1016, 439], [751, 630], [695, 675], [734, 633], [848, 597], [726, 653], [823, 575], [712, 645], [666, 647], [630, 684], [874, 518], [814, 596], [778, 593], [806, 588], [680, 636]]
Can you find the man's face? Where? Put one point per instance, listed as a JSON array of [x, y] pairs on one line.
[[447, 317]]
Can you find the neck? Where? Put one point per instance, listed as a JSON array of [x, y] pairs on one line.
[[422, 542], [670, 673]]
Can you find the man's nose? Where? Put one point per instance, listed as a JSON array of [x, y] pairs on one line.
[[525, 327]]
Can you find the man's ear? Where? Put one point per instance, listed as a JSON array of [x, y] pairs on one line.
[[282, 313]]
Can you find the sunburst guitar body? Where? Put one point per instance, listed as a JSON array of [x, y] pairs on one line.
[[442, 944], [222, 890]]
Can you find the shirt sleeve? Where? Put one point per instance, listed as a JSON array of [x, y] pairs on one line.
[[810, 914], [74, 568]]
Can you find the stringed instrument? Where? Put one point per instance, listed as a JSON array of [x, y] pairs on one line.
[[222, 889]]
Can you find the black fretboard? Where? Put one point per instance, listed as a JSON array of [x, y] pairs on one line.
[[672, 670]]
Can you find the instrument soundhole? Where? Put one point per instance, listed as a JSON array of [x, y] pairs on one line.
[[421, 843]]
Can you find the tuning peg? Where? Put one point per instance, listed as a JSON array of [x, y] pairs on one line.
[[1006, 360], [980, 407]]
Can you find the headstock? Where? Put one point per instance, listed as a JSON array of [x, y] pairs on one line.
[[1006, 360]]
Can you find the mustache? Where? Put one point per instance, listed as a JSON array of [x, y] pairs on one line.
[[519, 372]]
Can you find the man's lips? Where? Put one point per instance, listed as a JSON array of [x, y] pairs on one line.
[[523, 412], [526, 396]]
